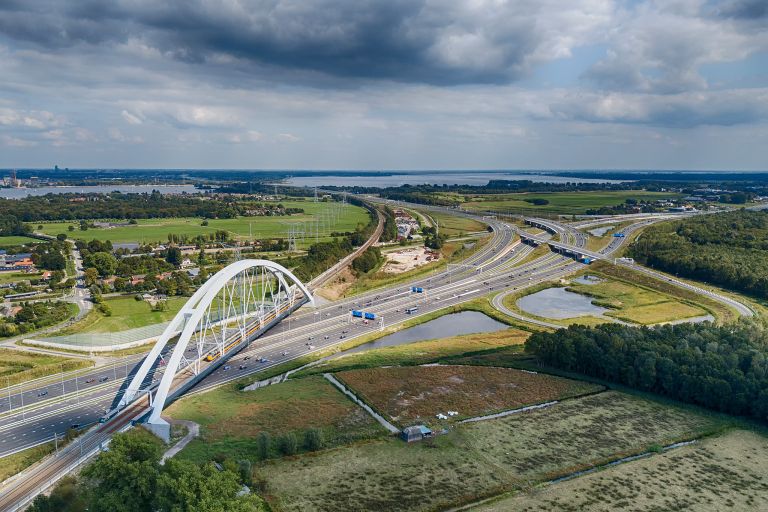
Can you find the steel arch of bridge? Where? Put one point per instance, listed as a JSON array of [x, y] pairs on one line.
[[234, 288]]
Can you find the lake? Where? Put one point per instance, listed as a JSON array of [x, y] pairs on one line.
[[445, 178], [559, 303], [19, 193]]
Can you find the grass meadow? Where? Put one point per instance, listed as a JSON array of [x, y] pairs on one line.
[[241, 228]]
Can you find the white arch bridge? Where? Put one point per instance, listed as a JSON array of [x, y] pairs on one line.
[[232, 308]]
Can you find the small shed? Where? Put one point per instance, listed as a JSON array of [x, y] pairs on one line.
[[415, 433]]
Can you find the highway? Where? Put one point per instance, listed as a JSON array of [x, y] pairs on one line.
[[80, 401]]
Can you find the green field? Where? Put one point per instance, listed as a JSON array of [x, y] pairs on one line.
[[19, 366], [482, 459], [231, 420], [15, 277], [9, 241], [263, 227], [451, 225], [636, 304], [721, 473], [570, 203], [127, 313]]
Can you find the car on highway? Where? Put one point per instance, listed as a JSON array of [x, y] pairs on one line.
[[90, 381], [242, 367], [311, 347], [227, 367], [74, 426], [326, 337], [42, 393], [246, 358], [103, 379]]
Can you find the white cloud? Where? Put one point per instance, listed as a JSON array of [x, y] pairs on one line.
[[131, 118]]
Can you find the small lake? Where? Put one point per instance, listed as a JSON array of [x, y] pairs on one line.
[[559, 303], [600, 231], [465, 322], [588, 280], [19, 193], [445, 178]]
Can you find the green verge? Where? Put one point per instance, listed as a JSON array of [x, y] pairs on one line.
[[232, 421], [127, 313], [18, 462], [17, 366]]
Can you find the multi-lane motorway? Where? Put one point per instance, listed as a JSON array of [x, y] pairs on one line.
[[52, 406]]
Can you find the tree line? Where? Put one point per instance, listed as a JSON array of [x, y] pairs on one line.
[[729, 249], [724, 368]]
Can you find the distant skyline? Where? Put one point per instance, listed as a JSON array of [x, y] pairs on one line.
[[384, 85]]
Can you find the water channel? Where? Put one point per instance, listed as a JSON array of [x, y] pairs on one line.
[[465, 322]]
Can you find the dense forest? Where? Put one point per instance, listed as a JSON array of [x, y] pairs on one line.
[[724, 368], [729, 249], [10, 226]]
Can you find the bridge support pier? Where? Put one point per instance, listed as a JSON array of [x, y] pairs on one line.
[[160, 428]]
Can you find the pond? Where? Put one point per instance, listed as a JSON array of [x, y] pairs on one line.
[[559, 303], [600, 231], [588, 280], [465, 322]]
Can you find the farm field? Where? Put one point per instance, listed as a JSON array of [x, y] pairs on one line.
[[410, 395], [17, 366], [482, 459], [127, 313], [569, 203], [722, 473], [421, 352], [231, 420], [9, 241], [157, 230]]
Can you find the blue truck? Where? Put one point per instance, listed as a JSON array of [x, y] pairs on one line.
[[356, 313], [619, 235], [417, 289]]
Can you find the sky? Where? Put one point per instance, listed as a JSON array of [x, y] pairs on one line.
[[388, 84]]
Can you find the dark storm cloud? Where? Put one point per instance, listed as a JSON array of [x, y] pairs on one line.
[[745, 9], [399, 40]]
